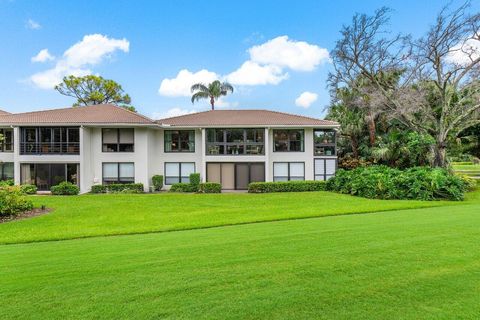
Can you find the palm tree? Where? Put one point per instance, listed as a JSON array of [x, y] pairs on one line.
[[214, 90]]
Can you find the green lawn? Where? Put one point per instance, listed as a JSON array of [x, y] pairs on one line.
[[97, 215], [467, 167], [408, 264]]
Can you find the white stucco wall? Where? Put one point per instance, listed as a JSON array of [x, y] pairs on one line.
[[149, 156]]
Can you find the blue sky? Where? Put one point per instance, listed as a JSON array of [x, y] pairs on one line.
[[273, 51]]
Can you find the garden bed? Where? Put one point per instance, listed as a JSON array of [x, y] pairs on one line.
[[25, 215]]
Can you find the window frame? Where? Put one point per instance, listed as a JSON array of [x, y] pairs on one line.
[[321, 144], [118, 141], [118, 181], [243, 145], [288, 140], [3, 143], [53, 146], [324, 175], [289, 177], [179, 171], [179, 141], [2, 171]]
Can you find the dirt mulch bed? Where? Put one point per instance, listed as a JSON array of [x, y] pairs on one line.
[[25, 215]]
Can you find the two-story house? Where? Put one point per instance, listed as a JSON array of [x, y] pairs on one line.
[[107, 144]]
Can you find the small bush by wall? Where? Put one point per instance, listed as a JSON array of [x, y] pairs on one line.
[[7, 183], [183, 187], [382, 182], [29, 188], [210, 187], [13, 201], [286, 186], [192, 186], [65, 188], [99, 188], [157, 181], [195, 179], [118, 188]]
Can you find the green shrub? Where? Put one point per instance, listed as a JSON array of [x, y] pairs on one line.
[[29, 188], [210, 187], [192, 186], [7, 183], [13, 201], [157, 181], [470, 183], [99, 188], [286, 186], [195, 181], [118, 188], [183, 187], [65, 188], [382, 182]]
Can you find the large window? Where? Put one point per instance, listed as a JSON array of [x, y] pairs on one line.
[[288, 171], [6, 170], [176, 172], [47, 140], [325, 168], [118, 172], [6, 142], [118, 139], [235, 142], [288, 140], [324, 142], [179, 141], [46, 175]]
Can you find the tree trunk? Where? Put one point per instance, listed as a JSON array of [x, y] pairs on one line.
[[212, 102], [354, 144], [371, 129], [440, 154]]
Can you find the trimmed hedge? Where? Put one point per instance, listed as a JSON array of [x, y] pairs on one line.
[[382, 182], [183, 187], [192, 186], [195, 179], [29, 188], [157, 181], [210, 187], [65, 188], [13, 201], [118, 188], [286, 186]]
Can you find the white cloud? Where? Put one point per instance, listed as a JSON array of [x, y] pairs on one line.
[[251, 73], [43, 56], [174, 112], [33, 25], [306, 99], [181, 84], [464, 53], [296, 55], [90, 51]]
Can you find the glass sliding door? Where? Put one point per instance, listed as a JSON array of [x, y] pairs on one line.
[[46, 175], [235, 175]]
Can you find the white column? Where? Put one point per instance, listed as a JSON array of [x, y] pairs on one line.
[[16, 155], [203, 165], [267, 155]]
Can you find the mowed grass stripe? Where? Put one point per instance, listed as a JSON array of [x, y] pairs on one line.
[[416, 264], [103, 215]]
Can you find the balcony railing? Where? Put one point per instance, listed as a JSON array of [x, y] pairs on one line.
[[49, 148]]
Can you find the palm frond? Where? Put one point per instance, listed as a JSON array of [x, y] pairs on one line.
[[200, 95], [227, 87], [199, 87]]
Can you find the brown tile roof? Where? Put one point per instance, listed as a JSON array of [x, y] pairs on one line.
[[102, 113], [3, 112], [244, 118]]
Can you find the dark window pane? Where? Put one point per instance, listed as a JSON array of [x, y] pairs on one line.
[[73, 135]]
